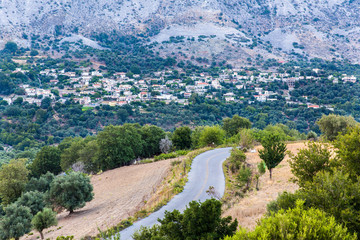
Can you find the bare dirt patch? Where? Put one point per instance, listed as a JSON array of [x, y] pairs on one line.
[[252, 207], [119, 193]]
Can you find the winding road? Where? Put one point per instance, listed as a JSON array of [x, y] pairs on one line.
[[206, 170]]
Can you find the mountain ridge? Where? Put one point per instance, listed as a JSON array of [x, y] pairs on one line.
[[326, 28]]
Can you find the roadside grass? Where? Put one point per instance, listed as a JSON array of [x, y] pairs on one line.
[[235, 190]]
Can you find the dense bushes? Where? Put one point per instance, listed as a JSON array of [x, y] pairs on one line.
[[296, 223], [199, 221], [327, 182]]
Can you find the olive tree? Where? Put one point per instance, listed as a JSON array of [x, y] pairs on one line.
[[34, 200], [71, 191], [16, 222], [331, 125], [44, 219]]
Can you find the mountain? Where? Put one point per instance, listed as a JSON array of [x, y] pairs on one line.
[[278, 29]]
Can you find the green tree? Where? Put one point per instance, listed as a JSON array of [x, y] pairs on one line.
[[195, 136], [70, 155], [331, 125], [337, 194], [181, 138], [349, 152], [151, 136], [273, 152], [16, 222], [13, 179], [11, 47], [212, 136], [35, 201], [199, 221], [297, 223], [41, 184], [34, 53], [44, 219], [71, 191], [309, 161], [89, 155], [233, 125], [119, 145], [47, 160]]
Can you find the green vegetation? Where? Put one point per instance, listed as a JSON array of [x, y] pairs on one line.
[[310, 161], [44, 219], [16, 222], [296, 223], [71, 191], [34, 200], [181, 138], [328, 182], [348, 151], [13, 179], [47, 160], [233, 125], [273, 152], [332, 125], [211, 136], [199, 221]]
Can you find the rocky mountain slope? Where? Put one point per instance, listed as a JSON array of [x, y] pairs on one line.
[[271, 28]]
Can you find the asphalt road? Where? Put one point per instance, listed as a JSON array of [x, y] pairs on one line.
[[206, 171]]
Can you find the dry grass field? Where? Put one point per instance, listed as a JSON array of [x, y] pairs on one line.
[[252, 207], [119, 193]]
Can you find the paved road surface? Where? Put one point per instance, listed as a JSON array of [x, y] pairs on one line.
[[206, 171]]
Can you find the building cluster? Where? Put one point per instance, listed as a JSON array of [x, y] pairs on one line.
[[93, 88]]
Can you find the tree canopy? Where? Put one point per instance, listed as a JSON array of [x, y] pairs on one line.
[[181, 138], [44, 219], [199, 221], [273, 151], [16, 222], [234, 124], [71, 191], [331, 125], [13, 179]]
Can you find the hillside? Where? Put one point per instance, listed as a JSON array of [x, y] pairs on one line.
[[272, 28]]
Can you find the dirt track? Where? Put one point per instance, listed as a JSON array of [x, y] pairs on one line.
[[119, 193], [253, 207]]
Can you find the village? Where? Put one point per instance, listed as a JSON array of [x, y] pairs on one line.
[[93, 88]]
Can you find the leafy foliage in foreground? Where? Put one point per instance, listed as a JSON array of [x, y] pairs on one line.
[[297, 223], [199, 221]]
